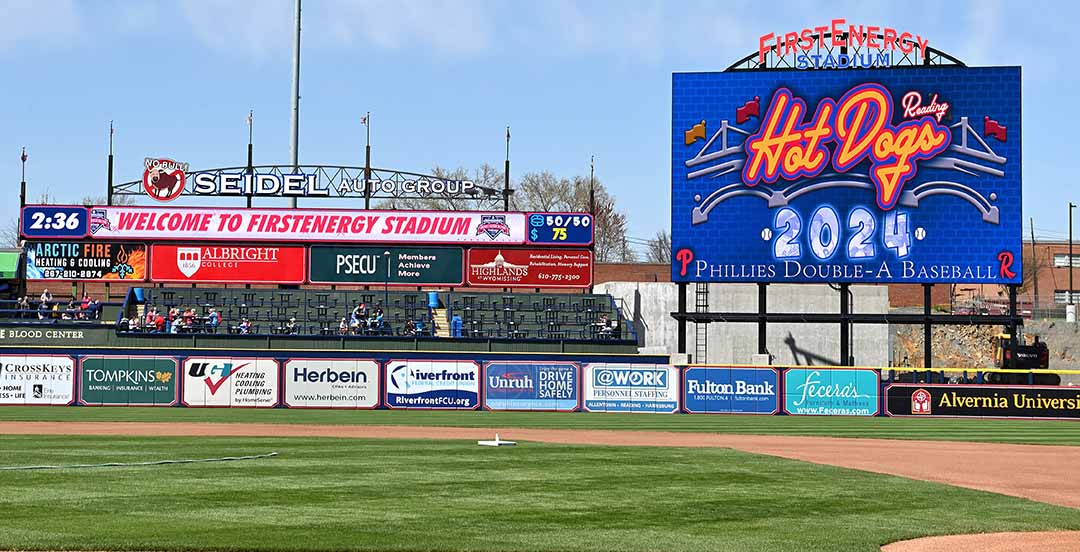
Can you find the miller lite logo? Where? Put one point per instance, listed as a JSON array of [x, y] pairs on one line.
[[188, 260], [493, 225], [164, 179], [920, 402]]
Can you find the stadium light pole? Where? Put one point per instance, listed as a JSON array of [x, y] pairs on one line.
[[22, 186], [1072, 261], [109, 190], [386, 284], [294, 141]]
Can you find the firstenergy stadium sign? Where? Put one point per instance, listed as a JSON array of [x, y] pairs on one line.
[[305, 225]]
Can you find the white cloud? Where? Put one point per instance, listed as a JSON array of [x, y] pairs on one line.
[[41, 23], [259, 29]]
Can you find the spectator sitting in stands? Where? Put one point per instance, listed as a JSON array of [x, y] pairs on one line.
[[23, 304], [456, 326], [159, 322], [419, 327], [132, 324], [379, 324], [290, 327], [71, 312], [343, 328], [93, 310], [173, 321], [46, 298], [213, 320], [85, 303], [354, 322], [603, 325], [151, 316], [410, 327], [244, 327]]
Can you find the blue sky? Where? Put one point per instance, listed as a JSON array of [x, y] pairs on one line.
[[443, 78]]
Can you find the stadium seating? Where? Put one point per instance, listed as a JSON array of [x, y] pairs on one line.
[[460, 314]]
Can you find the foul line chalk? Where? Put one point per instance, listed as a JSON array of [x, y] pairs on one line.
[[132, 464]]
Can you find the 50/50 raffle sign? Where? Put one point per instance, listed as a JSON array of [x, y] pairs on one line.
[[305, 225]]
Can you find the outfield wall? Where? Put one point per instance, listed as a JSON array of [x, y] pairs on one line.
[[532, 382]]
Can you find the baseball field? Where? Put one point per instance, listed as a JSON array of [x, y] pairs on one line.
[[391, 480]]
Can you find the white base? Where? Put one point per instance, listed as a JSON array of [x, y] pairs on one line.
[[496, 443]]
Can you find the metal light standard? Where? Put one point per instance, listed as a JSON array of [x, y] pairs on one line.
[[1070, 306], [386, 284]]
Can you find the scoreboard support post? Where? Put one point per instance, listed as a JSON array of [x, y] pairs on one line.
[[928, 339], [682, 318], [845, 326], [763, 324]]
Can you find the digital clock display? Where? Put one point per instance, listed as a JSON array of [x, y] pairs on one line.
[[43, 221]]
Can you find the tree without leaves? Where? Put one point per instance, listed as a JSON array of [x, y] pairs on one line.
[[486, 176], [658, 249], [539, 192]]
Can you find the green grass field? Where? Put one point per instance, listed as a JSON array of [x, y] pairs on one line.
[[1000, 431], [339, 494], [360, 494]]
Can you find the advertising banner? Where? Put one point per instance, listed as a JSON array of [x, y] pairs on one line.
[[37, 380], [411, 266], [127, 381], [724, 390], [331, 383], [86, 260], [54, 221], [631, 388], [982, 401], [883, 175], [836, 392], [236, 382], [547, 268], [531, 386], [227, 264], [433, 384], [561, 229], [306, 225]]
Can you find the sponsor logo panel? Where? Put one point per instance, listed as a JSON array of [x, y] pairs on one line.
[[37, 380], [226, 381], [331, 383], [85, 260], [226, 263], [164, 179], [836, 392], [982, 401], [529, 267], [127, 381], [432, 384], [531, 386], [718, 389], [631, 388], [306, 225], [367, 265]]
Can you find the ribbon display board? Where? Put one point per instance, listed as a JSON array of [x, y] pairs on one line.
[[306, 225]]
